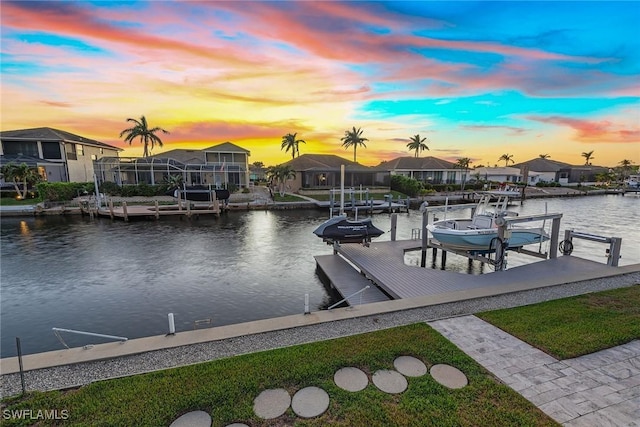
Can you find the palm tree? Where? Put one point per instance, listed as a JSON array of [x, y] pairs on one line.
[[353, 138], [22, 174], [289, 142], [141, 130], [417, 144], [544, 156], [280, 174], [587, 157], [507, 158], [463, 163]]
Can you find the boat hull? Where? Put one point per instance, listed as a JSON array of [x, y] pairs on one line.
[[200, 194], [485, 240]]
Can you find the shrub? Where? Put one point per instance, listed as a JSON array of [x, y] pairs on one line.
[[63, 191], [406, 185]]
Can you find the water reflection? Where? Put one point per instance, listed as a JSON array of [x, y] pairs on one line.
[[122, 279]]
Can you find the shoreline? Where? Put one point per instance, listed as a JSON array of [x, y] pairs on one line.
[[454, 197]]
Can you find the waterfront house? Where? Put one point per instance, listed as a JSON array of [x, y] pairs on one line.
[[505, 175], [429, 170], [546, 169], [219, 165], [322, 172], [57, 155]]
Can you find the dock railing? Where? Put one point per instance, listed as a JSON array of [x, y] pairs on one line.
[[613, 253], [57, 331], [347, 298]]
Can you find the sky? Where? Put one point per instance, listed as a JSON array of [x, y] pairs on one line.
[[476, 79]]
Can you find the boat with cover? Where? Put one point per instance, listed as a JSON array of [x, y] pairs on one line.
[[341, 229], [479, 234], [200, 193]]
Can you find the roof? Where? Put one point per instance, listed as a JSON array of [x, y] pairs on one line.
[[182, 155], [500, 171], [323, 162], [50, 134], [227, 147], [415, 163], [543, 165]]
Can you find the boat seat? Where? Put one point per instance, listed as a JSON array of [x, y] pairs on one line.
[[480, 222]]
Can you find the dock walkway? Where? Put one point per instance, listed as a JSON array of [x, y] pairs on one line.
[[347, 280], [383, 263]]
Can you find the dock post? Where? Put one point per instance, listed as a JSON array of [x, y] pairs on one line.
[[157, 210], [188, 209], [124, 211], [568, 237], [394, 226], [443, 261], [553, 244], [614, 251], [179, 201], [111, 208], [424, 235], [500, 247], [306, 304]]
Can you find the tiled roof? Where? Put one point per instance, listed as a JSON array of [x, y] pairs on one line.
[[182, 155], [227, 147], [543, 165], [323, 162], [50, 134], [416, 163]]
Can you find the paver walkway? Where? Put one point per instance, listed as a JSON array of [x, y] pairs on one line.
[[599, 389]]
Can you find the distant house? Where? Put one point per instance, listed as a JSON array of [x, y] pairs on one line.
[[58, 156], [546, 168], [322, 171], [505, 175], [425, 169], [219, 166], [574, 175]]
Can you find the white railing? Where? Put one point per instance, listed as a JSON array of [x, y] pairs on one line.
[[352, 295]]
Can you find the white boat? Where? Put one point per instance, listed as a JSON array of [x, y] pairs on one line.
[[480, 233]]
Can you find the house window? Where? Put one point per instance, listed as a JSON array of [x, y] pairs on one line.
[[94, 157], [51, 150], [26, 148], [80, 149], [71, 152]]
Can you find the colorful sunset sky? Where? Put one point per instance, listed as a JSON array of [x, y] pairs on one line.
[[477, 79]]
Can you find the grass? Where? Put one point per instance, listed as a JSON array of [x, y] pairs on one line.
[[226, 388], [572, 327], [10, 201]]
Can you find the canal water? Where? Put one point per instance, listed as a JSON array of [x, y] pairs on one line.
[[123, 279]]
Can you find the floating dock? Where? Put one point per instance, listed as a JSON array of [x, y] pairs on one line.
[[126, 212], [382, 264]]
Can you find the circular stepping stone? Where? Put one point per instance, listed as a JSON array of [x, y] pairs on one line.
[[410, 366], [449, 376], [351, 379], [237, 425], [271, 403], [389, 381], [193, 419], [310, 402]]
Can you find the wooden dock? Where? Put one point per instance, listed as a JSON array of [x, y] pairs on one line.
[[383, 264], [126, 212], [347, 280]]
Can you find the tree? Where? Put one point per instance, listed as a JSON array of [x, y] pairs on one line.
[[507, 158], [20, 174], [417, 144], [544, 156], [588, 156], [280, 174], [289, 142], [259, 165], [353, 138], [463, 163], [141, 130]]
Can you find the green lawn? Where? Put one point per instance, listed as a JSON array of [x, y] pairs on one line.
[[287, 198], [572, 327], [226, 389], [10, 201]]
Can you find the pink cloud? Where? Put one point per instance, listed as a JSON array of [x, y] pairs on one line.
[[594, 131]]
